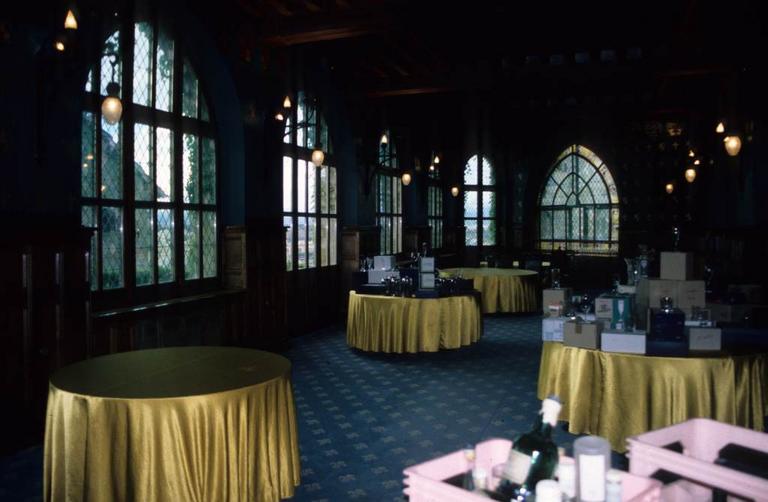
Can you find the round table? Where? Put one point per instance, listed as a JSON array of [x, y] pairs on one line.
[[400, 324], [182, 423], [502, 289], [616, 395]]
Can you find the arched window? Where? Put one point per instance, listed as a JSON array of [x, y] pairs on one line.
[[579, 205], [309, 192], [479, 202], [389, 197], [149, 181]]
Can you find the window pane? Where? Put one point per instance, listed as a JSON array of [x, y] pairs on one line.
[[311, 117], [189, 93], [209, 171], [398, 234], [166, 270], [209, 244], [489, 232], [204, 115], [398, 188], [287, 131], [142, 63], [311, 188], [470, 238], [88, 159], [145, 269], [111, 160], [470, 171], [191, 176], [470, 204], [164, 72], [332, 191], [324, 189], [545, 225], [558, 225], [489, 173], [324, 242], [300, 124], [164, 147], [89, 82], [489, 204], [301, 178], [142, 162], [191, 244], [88, 219], [302, 244], [287, 184], [111, 46], [112, 247], [333, 241], [288, 224], [312, 243], [380, 192]]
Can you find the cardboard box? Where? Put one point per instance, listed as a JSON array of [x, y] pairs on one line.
[[376, 276], [705, 339], [676, 266], [690, 294], [384, 262], [552, 329], [582, 334], [629, 342], [725, 312], [649, 295], [616, 309], [554, 297]]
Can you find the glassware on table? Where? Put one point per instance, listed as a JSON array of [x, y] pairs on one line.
[[586, 304], [555, 275]]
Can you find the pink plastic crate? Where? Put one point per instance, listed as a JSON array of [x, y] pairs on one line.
[[702, 439], [424, 482]]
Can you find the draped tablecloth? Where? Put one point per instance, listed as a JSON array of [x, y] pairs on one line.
[[502, 289], [193, 424], [617, 395], [396, 324]]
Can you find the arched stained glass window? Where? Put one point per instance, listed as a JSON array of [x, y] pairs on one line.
[[149, 181], [479, 202], [579, 205]]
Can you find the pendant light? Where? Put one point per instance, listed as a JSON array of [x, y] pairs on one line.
[[720, 129], [112, 107], [732, 145], [406, 179], [455, 191], [287, 102], [384, 139], [70, 22], [59, 44], [318, 156], [690, 174], [436, 160], [669, 188], [279, 116]]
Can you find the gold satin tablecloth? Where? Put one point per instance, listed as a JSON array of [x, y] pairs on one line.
[[616, 395], [396, 324], [502, 289], [192, 424]]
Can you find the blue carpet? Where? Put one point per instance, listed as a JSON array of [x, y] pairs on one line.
[[364, 417]]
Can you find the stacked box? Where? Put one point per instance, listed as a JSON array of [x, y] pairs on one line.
[[554, 296], [686, 295], [676, 266], [666, 333], [582, 334], [628, 342], [616, 309], [552, 329]]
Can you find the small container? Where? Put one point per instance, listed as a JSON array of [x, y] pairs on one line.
[[613, 486], [547, 490], [593, 459], [566, 476]]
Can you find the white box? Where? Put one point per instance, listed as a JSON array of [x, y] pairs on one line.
[[676, 266], [386, 262], [427, 280], [705, 339], [630, 342], [552, 329], [427, 264], [376, 276]]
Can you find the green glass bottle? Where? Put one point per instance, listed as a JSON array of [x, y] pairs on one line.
[[533, 455]]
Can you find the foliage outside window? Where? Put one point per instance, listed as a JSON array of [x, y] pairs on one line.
[[148, 182], [310, 212], [479, 202], [579, 205], [389, 199]]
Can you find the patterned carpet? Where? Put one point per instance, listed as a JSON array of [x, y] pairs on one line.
[[364, 417]]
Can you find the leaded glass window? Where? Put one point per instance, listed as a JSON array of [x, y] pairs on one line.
[[479, 202], [153, 169], [310, 200], [579, 205], [435, 208], [389, 198]]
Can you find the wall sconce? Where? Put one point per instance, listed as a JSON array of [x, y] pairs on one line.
[[59, 45], [406, 179], [279, 116], [669, 188], [70, 22], [732, 145], [455, 191], [690, 174]]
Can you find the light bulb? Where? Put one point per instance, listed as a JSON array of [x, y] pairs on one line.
[[59, 45], [669, 188], [384, 140], [691, 154], [287, 102], [455, 191], [279, 116], [696, 162], [720, 129], [406, 179], [112, 109], [690, 174], [732, 145], [431, 168], [70, 22], [437, 160], [318, 157]]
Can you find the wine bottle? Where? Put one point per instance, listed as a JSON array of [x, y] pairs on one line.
[[533, 455]]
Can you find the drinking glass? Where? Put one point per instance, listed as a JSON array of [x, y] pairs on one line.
[[586, 304]]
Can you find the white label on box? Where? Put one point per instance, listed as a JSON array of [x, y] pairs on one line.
[[591, 478], [427, 264], [552, 329], [518, 465], [705, 339]]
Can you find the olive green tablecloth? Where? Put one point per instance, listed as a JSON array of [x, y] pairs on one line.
[[502, 289], [617, 395], [193, 424], [396, 324]]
